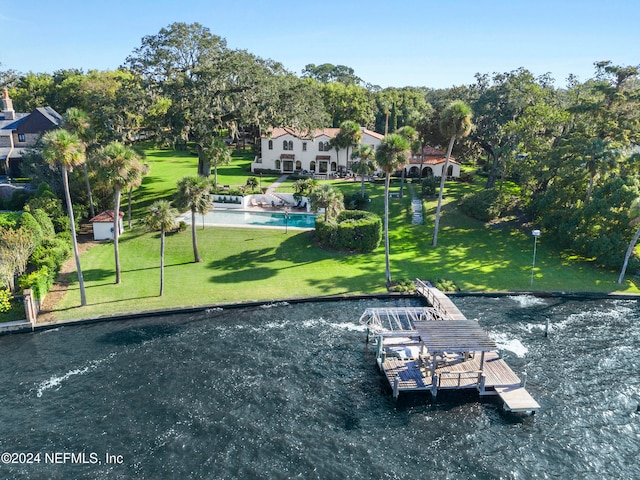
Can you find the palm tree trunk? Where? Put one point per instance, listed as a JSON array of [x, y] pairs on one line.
[[194, 238], [362, 185], [632, 245], [443, 177], [86, 179], [72, 225], [162, 262], [116, 233], [129, 206], [386, 229], [402, 183]]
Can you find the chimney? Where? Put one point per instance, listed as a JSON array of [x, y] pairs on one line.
[[7, 106]]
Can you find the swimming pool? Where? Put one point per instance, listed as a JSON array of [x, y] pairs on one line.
[[242, 218]]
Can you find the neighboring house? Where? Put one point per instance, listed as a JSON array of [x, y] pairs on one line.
[[287, 150], [432, 165], [103, 225], [21, 130]]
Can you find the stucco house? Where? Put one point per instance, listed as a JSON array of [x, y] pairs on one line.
[[103, 225], [287, 150], [21, 130], [433, 161]]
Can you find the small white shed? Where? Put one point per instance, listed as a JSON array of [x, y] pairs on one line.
[[103, 225]]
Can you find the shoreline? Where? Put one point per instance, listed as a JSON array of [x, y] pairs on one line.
[[329, 298]]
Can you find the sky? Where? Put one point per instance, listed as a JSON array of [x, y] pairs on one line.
[[436, 44]]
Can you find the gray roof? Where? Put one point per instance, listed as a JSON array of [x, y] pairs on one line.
[[53, 116], [9, 125]]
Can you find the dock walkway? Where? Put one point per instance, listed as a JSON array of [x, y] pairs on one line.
[[436, 348]]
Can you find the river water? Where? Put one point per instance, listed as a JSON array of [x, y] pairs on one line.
[[292, 391]]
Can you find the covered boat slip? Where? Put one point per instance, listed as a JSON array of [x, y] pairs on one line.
[[430, 349]]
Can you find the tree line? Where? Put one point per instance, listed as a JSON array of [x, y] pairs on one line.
[[567, 157]]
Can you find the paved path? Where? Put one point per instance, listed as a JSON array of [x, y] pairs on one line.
[[416, 206], [274, 186]]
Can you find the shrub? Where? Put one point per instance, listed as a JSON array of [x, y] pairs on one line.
[[51, 254], [39, 282], [182, 226], [352, 230], [429, 186], [356, 202], [487, 205], [5, 300], [9, 219], [45, 222], [32, 226], [18, 200], [445, 285], [404, 285]]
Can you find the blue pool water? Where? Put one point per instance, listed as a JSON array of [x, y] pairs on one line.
[[255, 219]]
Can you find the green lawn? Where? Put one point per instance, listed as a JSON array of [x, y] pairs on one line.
[[260, 264]]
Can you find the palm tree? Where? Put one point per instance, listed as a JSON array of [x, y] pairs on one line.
[[161, 218], [65, 150], [351, 135], [455, 122], [634, 216], [411, 135], [119, 167], [194, 193], [77, 121], [327, 197], [390, 156], [364, 166]]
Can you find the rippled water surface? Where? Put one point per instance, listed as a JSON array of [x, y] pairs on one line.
[[292, 391]]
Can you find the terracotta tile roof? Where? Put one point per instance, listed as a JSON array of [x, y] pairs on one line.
[[432, 156], [105, 217], [318, 132]]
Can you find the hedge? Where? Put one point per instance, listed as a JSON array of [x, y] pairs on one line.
[[487, 205], [353, 230], [39, 282]]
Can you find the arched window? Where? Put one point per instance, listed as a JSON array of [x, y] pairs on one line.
[[277, 164], [290, 144], [285, 145], [312, 166], [321, 146], [333, 166], [427, 172], [298, 165], [450, 171], [270, 144]]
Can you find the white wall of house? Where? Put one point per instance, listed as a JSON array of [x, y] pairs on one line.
[[433, 170], [104, 230], [288, 153]]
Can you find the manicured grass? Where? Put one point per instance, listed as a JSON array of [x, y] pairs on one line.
[[263, 264]]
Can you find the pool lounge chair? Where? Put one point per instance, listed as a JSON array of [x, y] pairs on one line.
[[253, 202]]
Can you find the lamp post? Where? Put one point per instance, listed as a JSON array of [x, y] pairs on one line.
[[286, 220], [536, 234]]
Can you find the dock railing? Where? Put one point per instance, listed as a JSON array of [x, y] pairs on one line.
[[454, 379], [426, 290]]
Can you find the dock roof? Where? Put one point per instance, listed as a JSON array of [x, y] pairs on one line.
[[454, 336]]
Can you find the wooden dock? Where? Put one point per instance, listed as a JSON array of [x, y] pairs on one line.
[[436, 348]]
